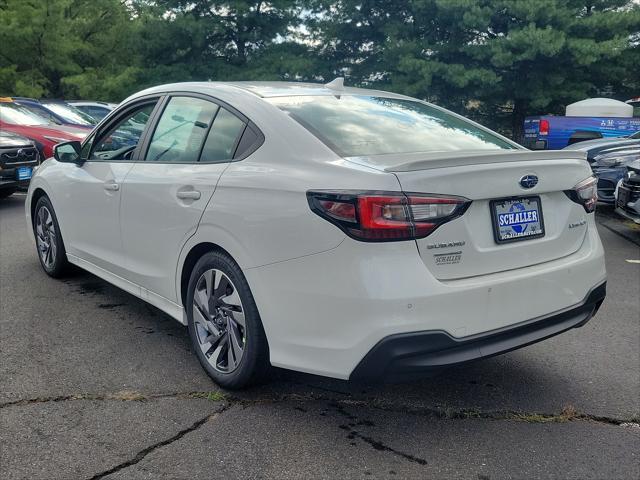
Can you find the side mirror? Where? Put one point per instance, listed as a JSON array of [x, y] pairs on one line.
[[68, 152]]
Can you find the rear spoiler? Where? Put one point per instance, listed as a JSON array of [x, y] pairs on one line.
[[428, 161]]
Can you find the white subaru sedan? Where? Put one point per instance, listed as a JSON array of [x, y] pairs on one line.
[[351, 233]]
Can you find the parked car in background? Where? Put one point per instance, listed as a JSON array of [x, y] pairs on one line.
[[97, 110], [344, 232], [609, 158], [590, 119], [628, 193], [18, 119], [58, 112], [18, 157]]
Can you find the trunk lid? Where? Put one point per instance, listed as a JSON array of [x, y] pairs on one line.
[[469, 245]]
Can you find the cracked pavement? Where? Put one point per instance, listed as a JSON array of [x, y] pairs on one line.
[[96, 384]]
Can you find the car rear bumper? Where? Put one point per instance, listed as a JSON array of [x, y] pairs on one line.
[[410, 355], [324, 313]]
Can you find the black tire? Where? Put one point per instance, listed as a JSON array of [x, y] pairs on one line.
[[59, 264], [254, 364], [7, 192]]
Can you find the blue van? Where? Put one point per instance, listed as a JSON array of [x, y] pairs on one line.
[[550, 132]]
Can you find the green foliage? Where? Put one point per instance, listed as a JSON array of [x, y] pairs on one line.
[[496, 60]]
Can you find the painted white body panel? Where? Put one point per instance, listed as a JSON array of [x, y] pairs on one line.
[[156, 222], [88, 209], [326, 299], [342, 302], [480, 182]]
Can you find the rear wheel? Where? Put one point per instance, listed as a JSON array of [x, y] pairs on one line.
[[51, 251], [224, 325]]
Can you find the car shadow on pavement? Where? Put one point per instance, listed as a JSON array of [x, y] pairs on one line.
[[518, 381]]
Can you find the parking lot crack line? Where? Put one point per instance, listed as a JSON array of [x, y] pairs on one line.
[[376, 444], [152, 448], [567, 414], [122, 396]]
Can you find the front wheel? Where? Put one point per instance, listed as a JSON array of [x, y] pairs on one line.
[[224, 325], [51, 251]]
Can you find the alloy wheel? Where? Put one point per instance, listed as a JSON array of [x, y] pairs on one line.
[[46, 237], [219, 320]]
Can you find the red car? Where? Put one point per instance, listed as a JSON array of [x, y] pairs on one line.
[[17, 119]]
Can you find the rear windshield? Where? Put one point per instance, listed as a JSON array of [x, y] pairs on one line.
[[357, 125]]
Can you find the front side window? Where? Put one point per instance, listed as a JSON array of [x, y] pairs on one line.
[[358, 125], [181, 130], [121, 138]]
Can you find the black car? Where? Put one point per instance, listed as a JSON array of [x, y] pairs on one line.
[[18, 156], [628, 194], [609, 158]]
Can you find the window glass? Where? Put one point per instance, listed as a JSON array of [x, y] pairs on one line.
[[19, 115], [70, 114], [86, 148], [121, 139], [96, 112], [222, 138], [364, 125], [248, 140], [181, 130], [44, 113]]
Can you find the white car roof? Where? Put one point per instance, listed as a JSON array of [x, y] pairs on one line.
[[267, 89]]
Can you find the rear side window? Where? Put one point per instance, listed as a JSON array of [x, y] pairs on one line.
[[354, 125], [248, 143], [222, 138], [181, 130]]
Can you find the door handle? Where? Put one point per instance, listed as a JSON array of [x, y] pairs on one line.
[[188, 195], [112, 187]]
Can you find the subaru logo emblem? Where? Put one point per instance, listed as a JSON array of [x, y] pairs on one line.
[[528, 181]]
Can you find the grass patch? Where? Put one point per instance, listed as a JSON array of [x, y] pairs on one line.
[[211, 396], [567, 414], [126, 396]]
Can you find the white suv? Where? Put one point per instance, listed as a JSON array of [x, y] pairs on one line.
[[338, 231]]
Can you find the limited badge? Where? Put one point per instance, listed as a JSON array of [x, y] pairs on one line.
[[577, 224]]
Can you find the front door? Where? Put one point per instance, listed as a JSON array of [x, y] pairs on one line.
[[165, 193], [94, 190]]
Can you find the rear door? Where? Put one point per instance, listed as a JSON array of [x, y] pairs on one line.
[[165, 193], [513, 221]]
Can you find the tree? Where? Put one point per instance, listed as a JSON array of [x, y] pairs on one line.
[[46, 41], [495, 59], [232, 36]]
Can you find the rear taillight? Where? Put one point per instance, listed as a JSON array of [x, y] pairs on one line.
[[544, 127], [385, 216], [585, 193]]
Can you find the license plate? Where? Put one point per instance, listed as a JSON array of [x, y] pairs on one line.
[[623, 197], [517, 219], [23, 173]]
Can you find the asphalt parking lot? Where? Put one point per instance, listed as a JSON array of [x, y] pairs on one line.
[[96, 384]]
